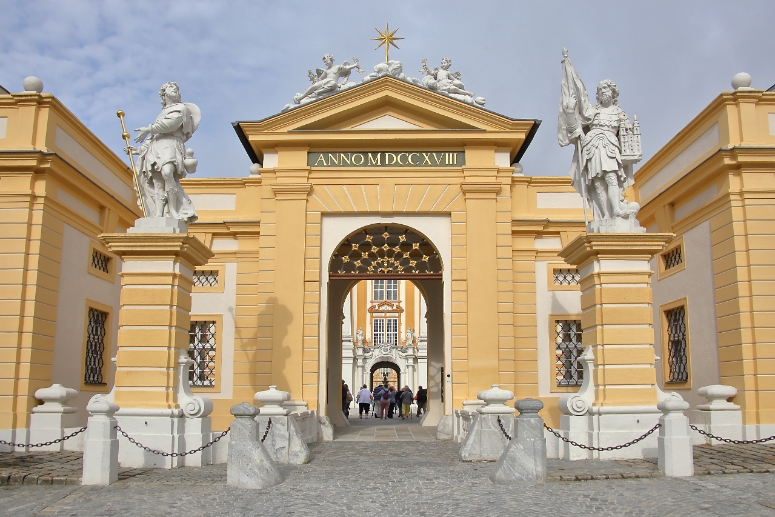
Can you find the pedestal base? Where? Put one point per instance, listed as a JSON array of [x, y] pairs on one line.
[[158, 225], [162, 433], [285, 442], [609, 429], [485, 440]]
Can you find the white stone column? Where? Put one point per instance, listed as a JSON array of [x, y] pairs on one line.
[[100, 451], [718, 416], [675, 456], [54, 419]]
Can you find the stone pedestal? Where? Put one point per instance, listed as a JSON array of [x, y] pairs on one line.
[[718, 416], [53, 419], [675, 445], [157, 276], [285, 441], [100, 451], [617, 321], [485, 440], [524, 460], [249, 464]]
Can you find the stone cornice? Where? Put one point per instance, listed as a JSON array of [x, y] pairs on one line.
[[291, 190], [476, 190], [149, 246], [617, 246]]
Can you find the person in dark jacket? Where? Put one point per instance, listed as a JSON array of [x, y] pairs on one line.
[[377, 393], [406, 401], [422, 400]]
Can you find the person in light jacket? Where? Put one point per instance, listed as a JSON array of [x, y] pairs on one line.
[[364, 398]]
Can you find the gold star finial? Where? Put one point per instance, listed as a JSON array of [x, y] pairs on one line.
[[386, 38]]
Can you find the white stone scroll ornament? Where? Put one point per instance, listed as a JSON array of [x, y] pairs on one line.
[[193, 406], [606, 145], [163, 160], [578, 403]]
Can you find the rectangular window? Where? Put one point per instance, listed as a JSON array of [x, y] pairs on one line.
[[96, 330], [566, 276], [385, 330], [568, 348], [100, 261], [202, 349], [677, 356], [391, 289], [379, 289], [672, 258], [206, 278]]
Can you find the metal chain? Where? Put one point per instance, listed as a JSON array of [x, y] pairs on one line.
[[44, 444], [171, 454], [268, 427], [729, 440], [503, 430], [614, 448]]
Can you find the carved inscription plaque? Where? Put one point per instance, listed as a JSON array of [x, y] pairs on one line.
[[387, 159]]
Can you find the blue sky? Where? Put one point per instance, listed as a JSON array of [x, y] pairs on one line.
[[241, 60]]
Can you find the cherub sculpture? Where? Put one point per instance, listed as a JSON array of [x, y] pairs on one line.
[[325, 82], [443, 81]]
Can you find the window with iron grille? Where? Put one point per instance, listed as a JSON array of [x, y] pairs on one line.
[[95, 347], [206, 278], [677, 359], [100, 261], [201, 348], [566, 277], [385, 289], [385, 330], [568, 348], [672, 258]]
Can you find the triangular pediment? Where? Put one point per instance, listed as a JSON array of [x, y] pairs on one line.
[[361, 115], [387, 122]]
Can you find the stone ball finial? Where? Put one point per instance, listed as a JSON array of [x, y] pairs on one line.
[[255, 169], [741, 81], [526, 407], [32, 84], [518, 170], [244, 410]]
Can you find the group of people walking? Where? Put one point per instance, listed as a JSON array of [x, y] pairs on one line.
[[385, 401]]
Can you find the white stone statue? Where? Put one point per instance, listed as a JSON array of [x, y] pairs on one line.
[[445, 82], [409, 339], [359, 337], [607, 146], [163, 159], [326, 82]]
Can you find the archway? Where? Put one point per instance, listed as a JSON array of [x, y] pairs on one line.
[[382, 372], [386, 250]]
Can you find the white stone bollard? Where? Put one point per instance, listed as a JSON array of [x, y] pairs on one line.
[[100, 449], [249, 464], [285, 441], [484, 440], [524, 460], [675, 445], [718, 416], [49, 421]]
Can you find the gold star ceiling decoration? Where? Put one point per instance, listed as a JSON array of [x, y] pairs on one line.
[[386, 38]]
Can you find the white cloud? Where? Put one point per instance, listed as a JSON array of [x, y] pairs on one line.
[[245, 60]]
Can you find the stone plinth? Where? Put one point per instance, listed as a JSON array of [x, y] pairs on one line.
[[523, 462], [484, 440], [675, 445], [50, 421], [249, 464], [100, 451], [718, 416], [617, 321], [154, 320], [285, 441]]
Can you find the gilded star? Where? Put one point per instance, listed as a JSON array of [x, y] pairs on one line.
[[386, 38]]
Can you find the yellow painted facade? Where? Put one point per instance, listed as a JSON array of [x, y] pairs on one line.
[[490, 316]]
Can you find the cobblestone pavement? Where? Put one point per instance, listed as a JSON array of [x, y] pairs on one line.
[[389, 430], [400, 478]]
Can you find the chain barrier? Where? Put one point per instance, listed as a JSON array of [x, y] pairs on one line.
[[193, 451], [613, 448], [171, 454], [44, 444], [503, 430], [730, 440]]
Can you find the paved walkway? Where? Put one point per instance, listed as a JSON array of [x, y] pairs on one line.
[[389, 430], [410, 478]]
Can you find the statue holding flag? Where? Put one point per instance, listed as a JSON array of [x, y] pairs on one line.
[[606, 144]]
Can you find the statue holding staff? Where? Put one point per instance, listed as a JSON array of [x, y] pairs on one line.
[[606, 144], [163, 160]]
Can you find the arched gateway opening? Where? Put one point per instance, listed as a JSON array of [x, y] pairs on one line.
[[384, 254]]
